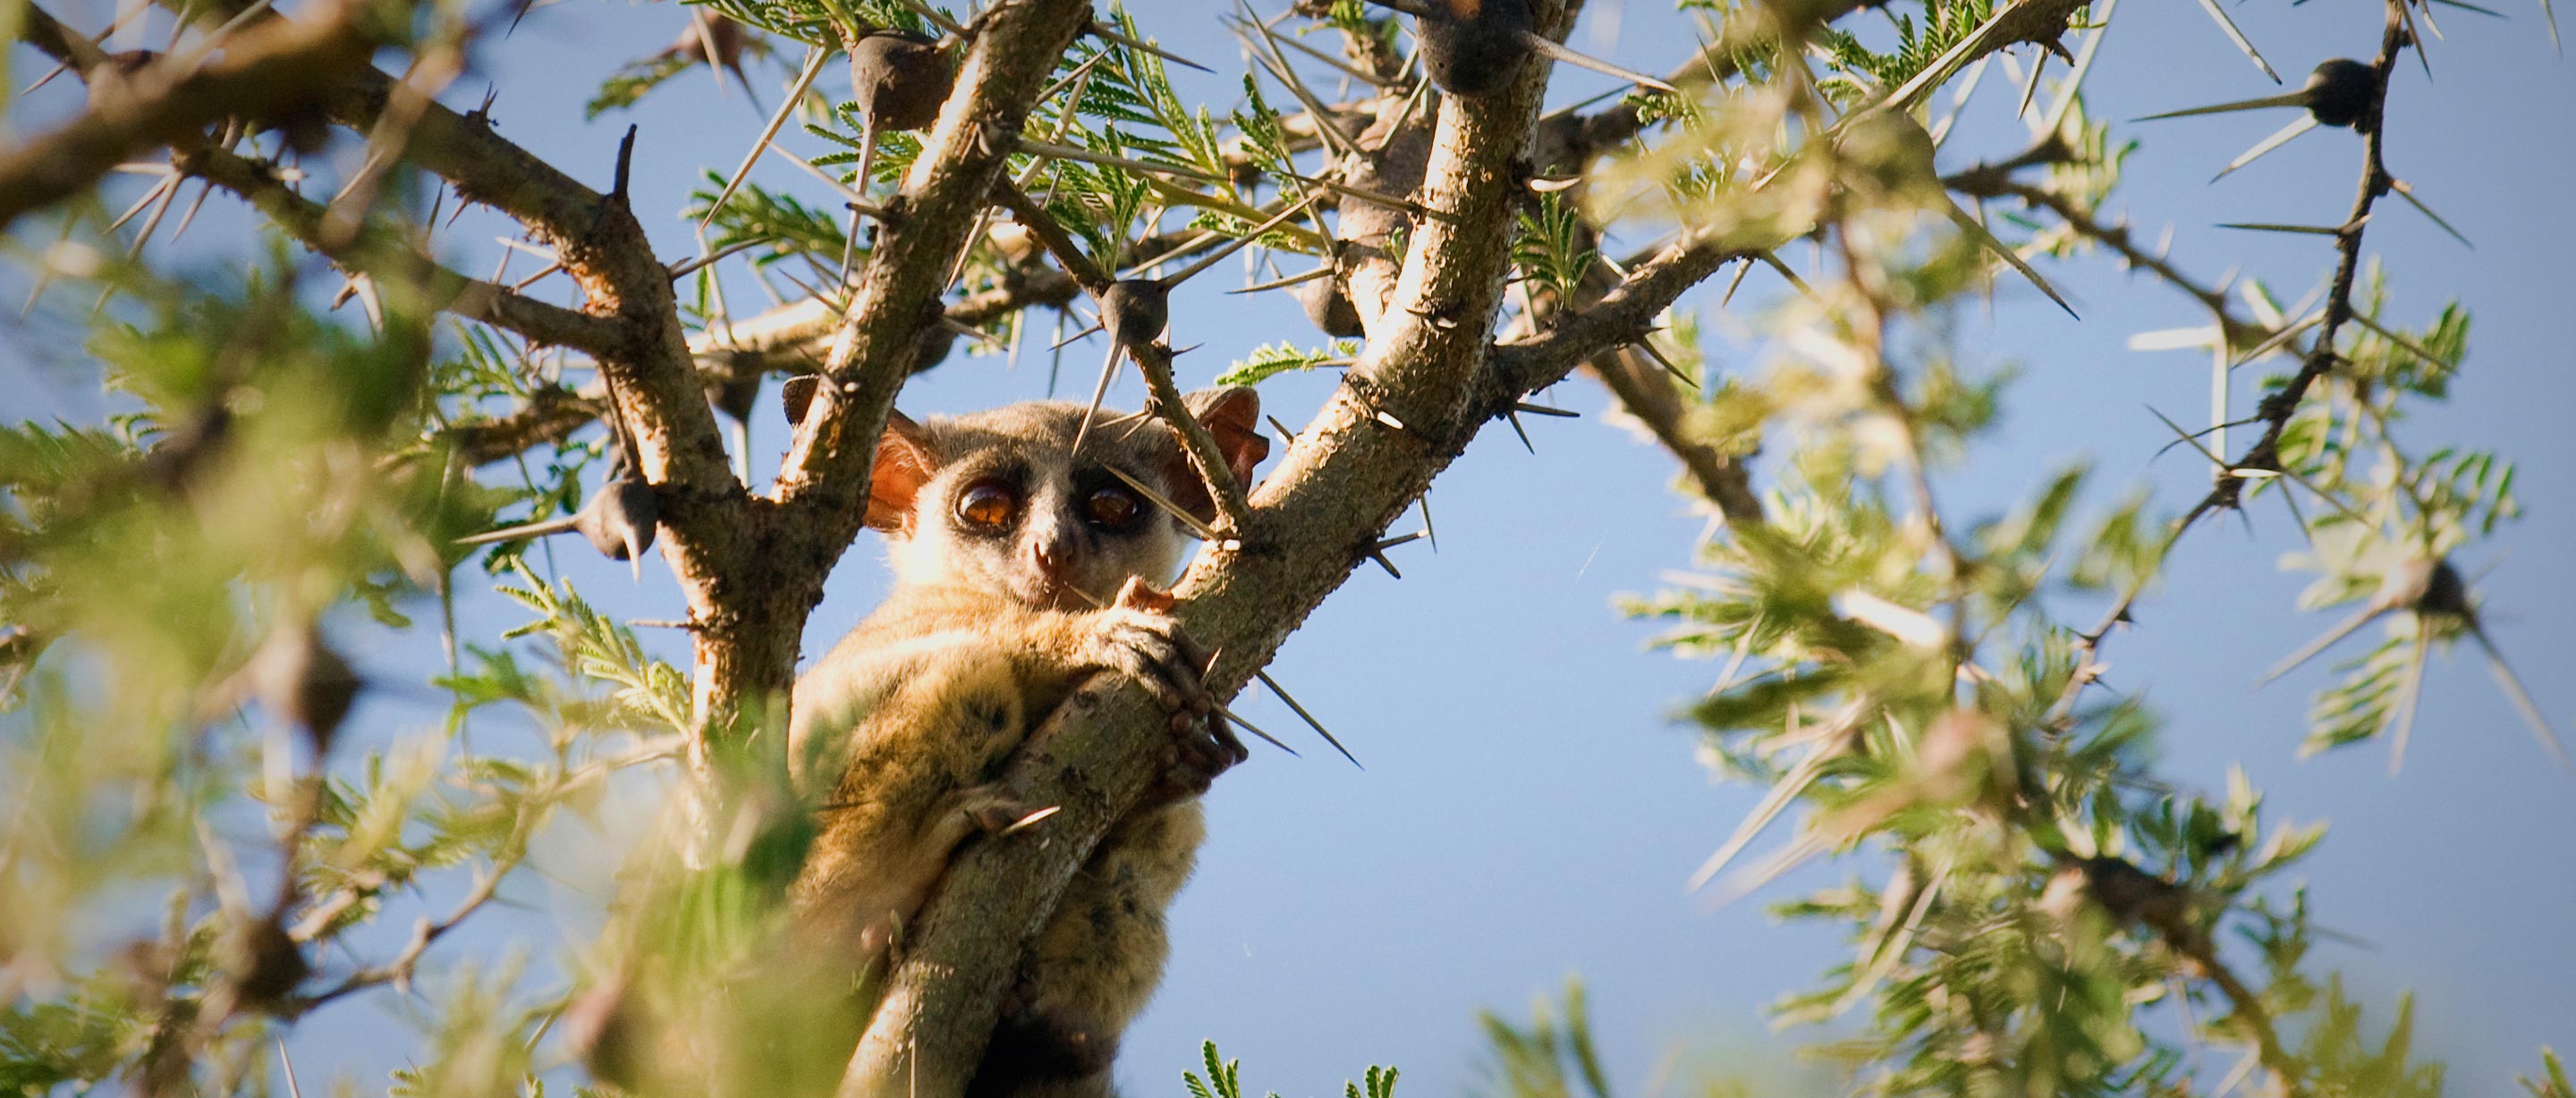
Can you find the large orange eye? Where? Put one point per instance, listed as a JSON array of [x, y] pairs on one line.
[[988, 506], [1113, 507]]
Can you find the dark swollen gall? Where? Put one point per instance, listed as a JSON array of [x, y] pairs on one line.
[[1329, 306], [2340, 90]]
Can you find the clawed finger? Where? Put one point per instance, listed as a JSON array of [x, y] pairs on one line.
[[1140, 595]]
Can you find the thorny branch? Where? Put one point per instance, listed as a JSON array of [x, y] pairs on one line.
[[2278, 407], [822, 487], [2237, 331], [1428, 381], [2276, 411], [1422, 388], [377, 253], [263, 72]]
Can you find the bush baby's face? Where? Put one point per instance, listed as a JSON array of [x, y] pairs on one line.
[[998, 501]]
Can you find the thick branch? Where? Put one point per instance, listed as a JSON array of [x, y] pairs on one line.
[[551, 414], [276, 68], [797, 337], [1649, 395], [1623, 316], [381, 253], [1346, 477], [824, 483], [748, 618]]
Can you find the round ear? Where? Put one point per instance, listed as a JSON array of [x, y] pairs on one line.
[[905, 461], [1233, 416]]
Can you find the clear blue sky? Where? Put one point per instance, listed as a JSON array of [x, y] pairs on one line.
[[1529, 807]]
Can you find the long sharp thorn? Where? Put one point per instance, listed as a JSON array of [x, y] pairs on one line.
[[1104, 30], [1277, 66], [2276, 227], [795, 95], [2521, 699], [1055, 356], [1281, 283], [525, 530], [287, 1066], [2238, 37], [48, 78], [2403, 343], [2279, 338], [1382, 562], [1305, 716], [2306, 533], [1255, 729], [1428, 531], [2408, 193], [1376, 198], [1344, 67], [2030, 88], [1099, 392], [1286, 436], [1075, 337], [1647, 348], [634, 554], [151, 224], [1544, 410], [1031, 820], [1203, 530], [1790, 274], [1232, 246], [1514, 417], [1054, 151], [1978, 232], [1554, 50], [163, 184], [1979, 41], [2324, 641], [936, 17], [850, 197], [867, 164], [707, 46], [690, 266], [190, 217], [2074, 81], [2280, 137], [2285, 99], [2406, 15], [1741, 270], [2550, 16]]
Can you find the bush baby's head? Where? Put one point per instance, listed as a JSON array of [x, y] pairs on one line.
[[998, 501]]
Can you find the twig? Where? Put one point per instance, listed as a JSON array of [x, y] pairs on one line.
[[268, 70]]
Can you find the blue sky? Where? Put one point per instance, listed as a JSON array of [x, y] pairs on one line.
[[1530, 809]]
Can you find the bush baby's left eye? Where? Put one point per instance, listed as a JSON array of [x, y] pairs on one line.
[[1112, 507]]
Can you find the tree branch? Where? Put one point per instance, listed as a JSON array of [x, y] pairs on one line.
[[551, 414], [272, 69], [2279, 406], [1976, 183], [1714, 64], [823, 485], [1348, 475], [380, 252]]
